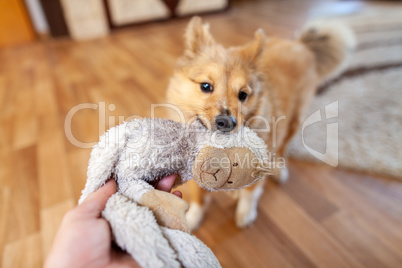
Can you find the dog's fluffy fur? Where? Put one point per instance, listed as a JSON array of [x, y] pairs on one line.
[[279, 76]]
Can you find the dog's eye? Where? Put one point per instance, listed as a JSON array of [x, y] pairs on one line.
[[206, 87], [242, 96]]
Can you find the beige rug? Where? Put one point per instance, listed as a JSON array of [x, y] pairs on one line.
[[365, 102]]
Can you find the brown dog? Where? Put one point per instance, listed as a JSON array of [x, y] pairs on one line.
[[266, 85]]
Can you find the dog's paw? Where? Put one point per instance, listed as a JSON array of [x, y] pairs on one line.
[[246, 210], [245, 216], [282, 177], [195, 214]]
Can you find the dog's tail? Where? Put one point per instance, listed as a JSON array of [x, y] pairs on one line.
[[332, 43], [104, 157]]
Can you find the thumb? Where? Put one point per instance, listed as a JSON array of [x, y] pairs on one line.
[[96, 202]]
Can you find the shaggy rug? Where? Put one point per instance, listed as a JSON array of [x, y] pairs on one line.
[[355, 121]]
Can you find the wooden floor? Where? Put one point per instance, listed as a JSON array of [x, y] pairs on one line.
[[323, 217]]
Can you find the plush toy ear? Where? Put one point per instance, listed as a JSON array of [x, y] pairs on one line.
[[197, 36], [253, 50]]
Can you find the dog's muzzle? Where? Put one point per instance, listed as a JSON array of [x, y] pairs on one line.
[[225, 123]]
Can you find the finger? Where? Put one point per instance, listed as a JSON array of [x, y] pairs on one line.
[[178, 194], [166, 183], [96, 202]]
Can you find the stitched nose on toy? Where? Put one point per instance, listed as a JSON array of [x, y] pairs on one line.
[[214, 173], [212, 168], [225, 123]]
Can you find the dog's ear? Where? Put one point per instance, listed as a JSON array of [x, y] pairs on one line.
[[197, 36], [253, 50]]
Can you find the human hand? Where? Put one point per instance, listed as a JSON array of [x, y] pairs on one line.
[[84, 237]]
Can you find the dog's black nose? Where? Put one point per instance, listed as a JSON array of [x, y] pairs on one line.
[[225, 123]]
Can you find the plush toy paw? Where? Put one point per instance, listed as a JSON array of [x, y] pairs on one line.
[[169, 210]]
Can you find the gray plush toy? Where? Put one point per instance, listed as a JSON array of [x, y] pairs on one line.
[[150, 224]]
